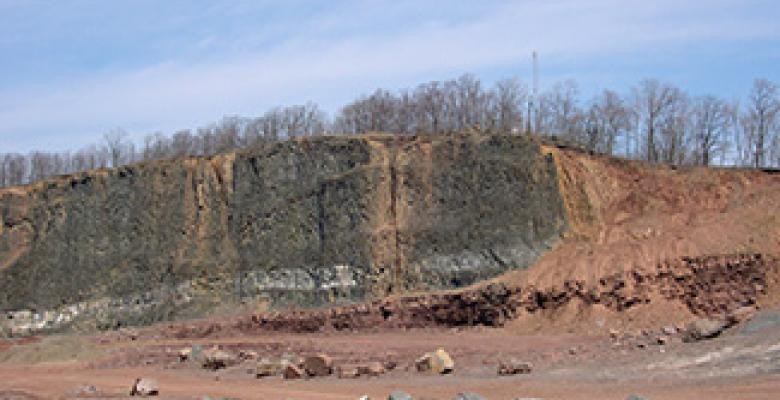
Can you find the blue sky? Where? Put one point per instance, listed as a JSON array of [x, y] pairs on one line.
[[72, 70]]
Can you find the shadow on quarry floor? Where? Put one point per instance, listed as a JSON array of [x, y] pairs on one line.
[[764, 321]]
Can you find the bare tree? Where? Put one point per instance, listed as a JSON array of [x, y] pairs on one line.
[[510, 97], [16, 169], [712, 121], [761, 118], [652, 101], [675, 129], [182, 144], [115, 142], [612, 119], [559, 112]]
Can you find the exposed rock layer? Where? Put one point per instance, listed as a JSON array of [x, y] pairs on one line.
[[305, 222]]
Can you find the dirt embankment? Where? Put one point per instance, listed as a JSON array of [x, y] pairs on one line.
[[627, 217], [711, 286]]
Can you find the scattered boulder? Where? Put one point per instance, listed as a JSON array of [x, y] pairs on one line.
[[703, 328], [390, 365], [266, 368], [86, 391], [215, 359], [669, 330], [318, 365], [184, 354], [399, 395], [614, 334], [514, 367], [662, 340], [348, 371], [248, 355], [438, 362], [291, 371], [364, 397], [192, 353], [144, 387], [635, 397], [468, 396]]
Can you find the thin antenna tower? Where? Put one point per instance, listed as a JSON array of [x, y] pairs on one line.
[[536, 88], [534, 94]]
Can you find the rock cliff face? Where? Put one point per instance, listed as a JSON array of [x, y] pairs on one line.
[[305, 222]]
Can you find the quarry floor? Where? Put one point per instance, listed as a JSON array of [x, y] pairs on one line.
[[744, 363]]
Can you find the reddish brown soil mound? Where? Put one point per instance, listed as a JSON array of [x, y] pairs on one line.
[[708, 286]]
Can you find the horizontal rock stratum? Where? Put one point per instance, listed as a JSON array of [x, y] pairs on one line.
[[303, 222]]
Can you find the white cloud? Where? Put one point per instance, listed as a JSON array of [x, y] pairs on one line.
[[179, 93]]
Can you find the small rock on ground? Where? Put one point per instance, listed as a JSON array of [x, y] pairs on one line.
[[144, 387], [292, 372], [468, 396], [514, 367], [703, 328], [399, 395]]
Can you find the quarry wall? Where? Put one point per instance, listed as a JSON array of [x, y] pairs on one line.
[[306, 222]]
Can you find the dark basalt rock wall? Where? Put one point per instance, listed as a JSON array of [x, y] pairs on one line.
[[305, 222]]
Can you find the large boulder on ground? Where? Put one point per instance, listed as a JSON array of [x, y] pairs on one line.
[[144, 387], [318, 365], [438, 362], [514, 367], [399, 395], [703, 328], [215, 359]]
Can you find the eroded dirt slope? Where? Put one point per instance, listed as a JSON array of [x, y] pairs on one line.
[[629, 219]]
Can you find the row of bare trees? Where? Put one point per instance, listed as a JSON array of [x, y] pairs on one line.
[[438, 107], [116, 149], [660, 123], [653, 121]]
